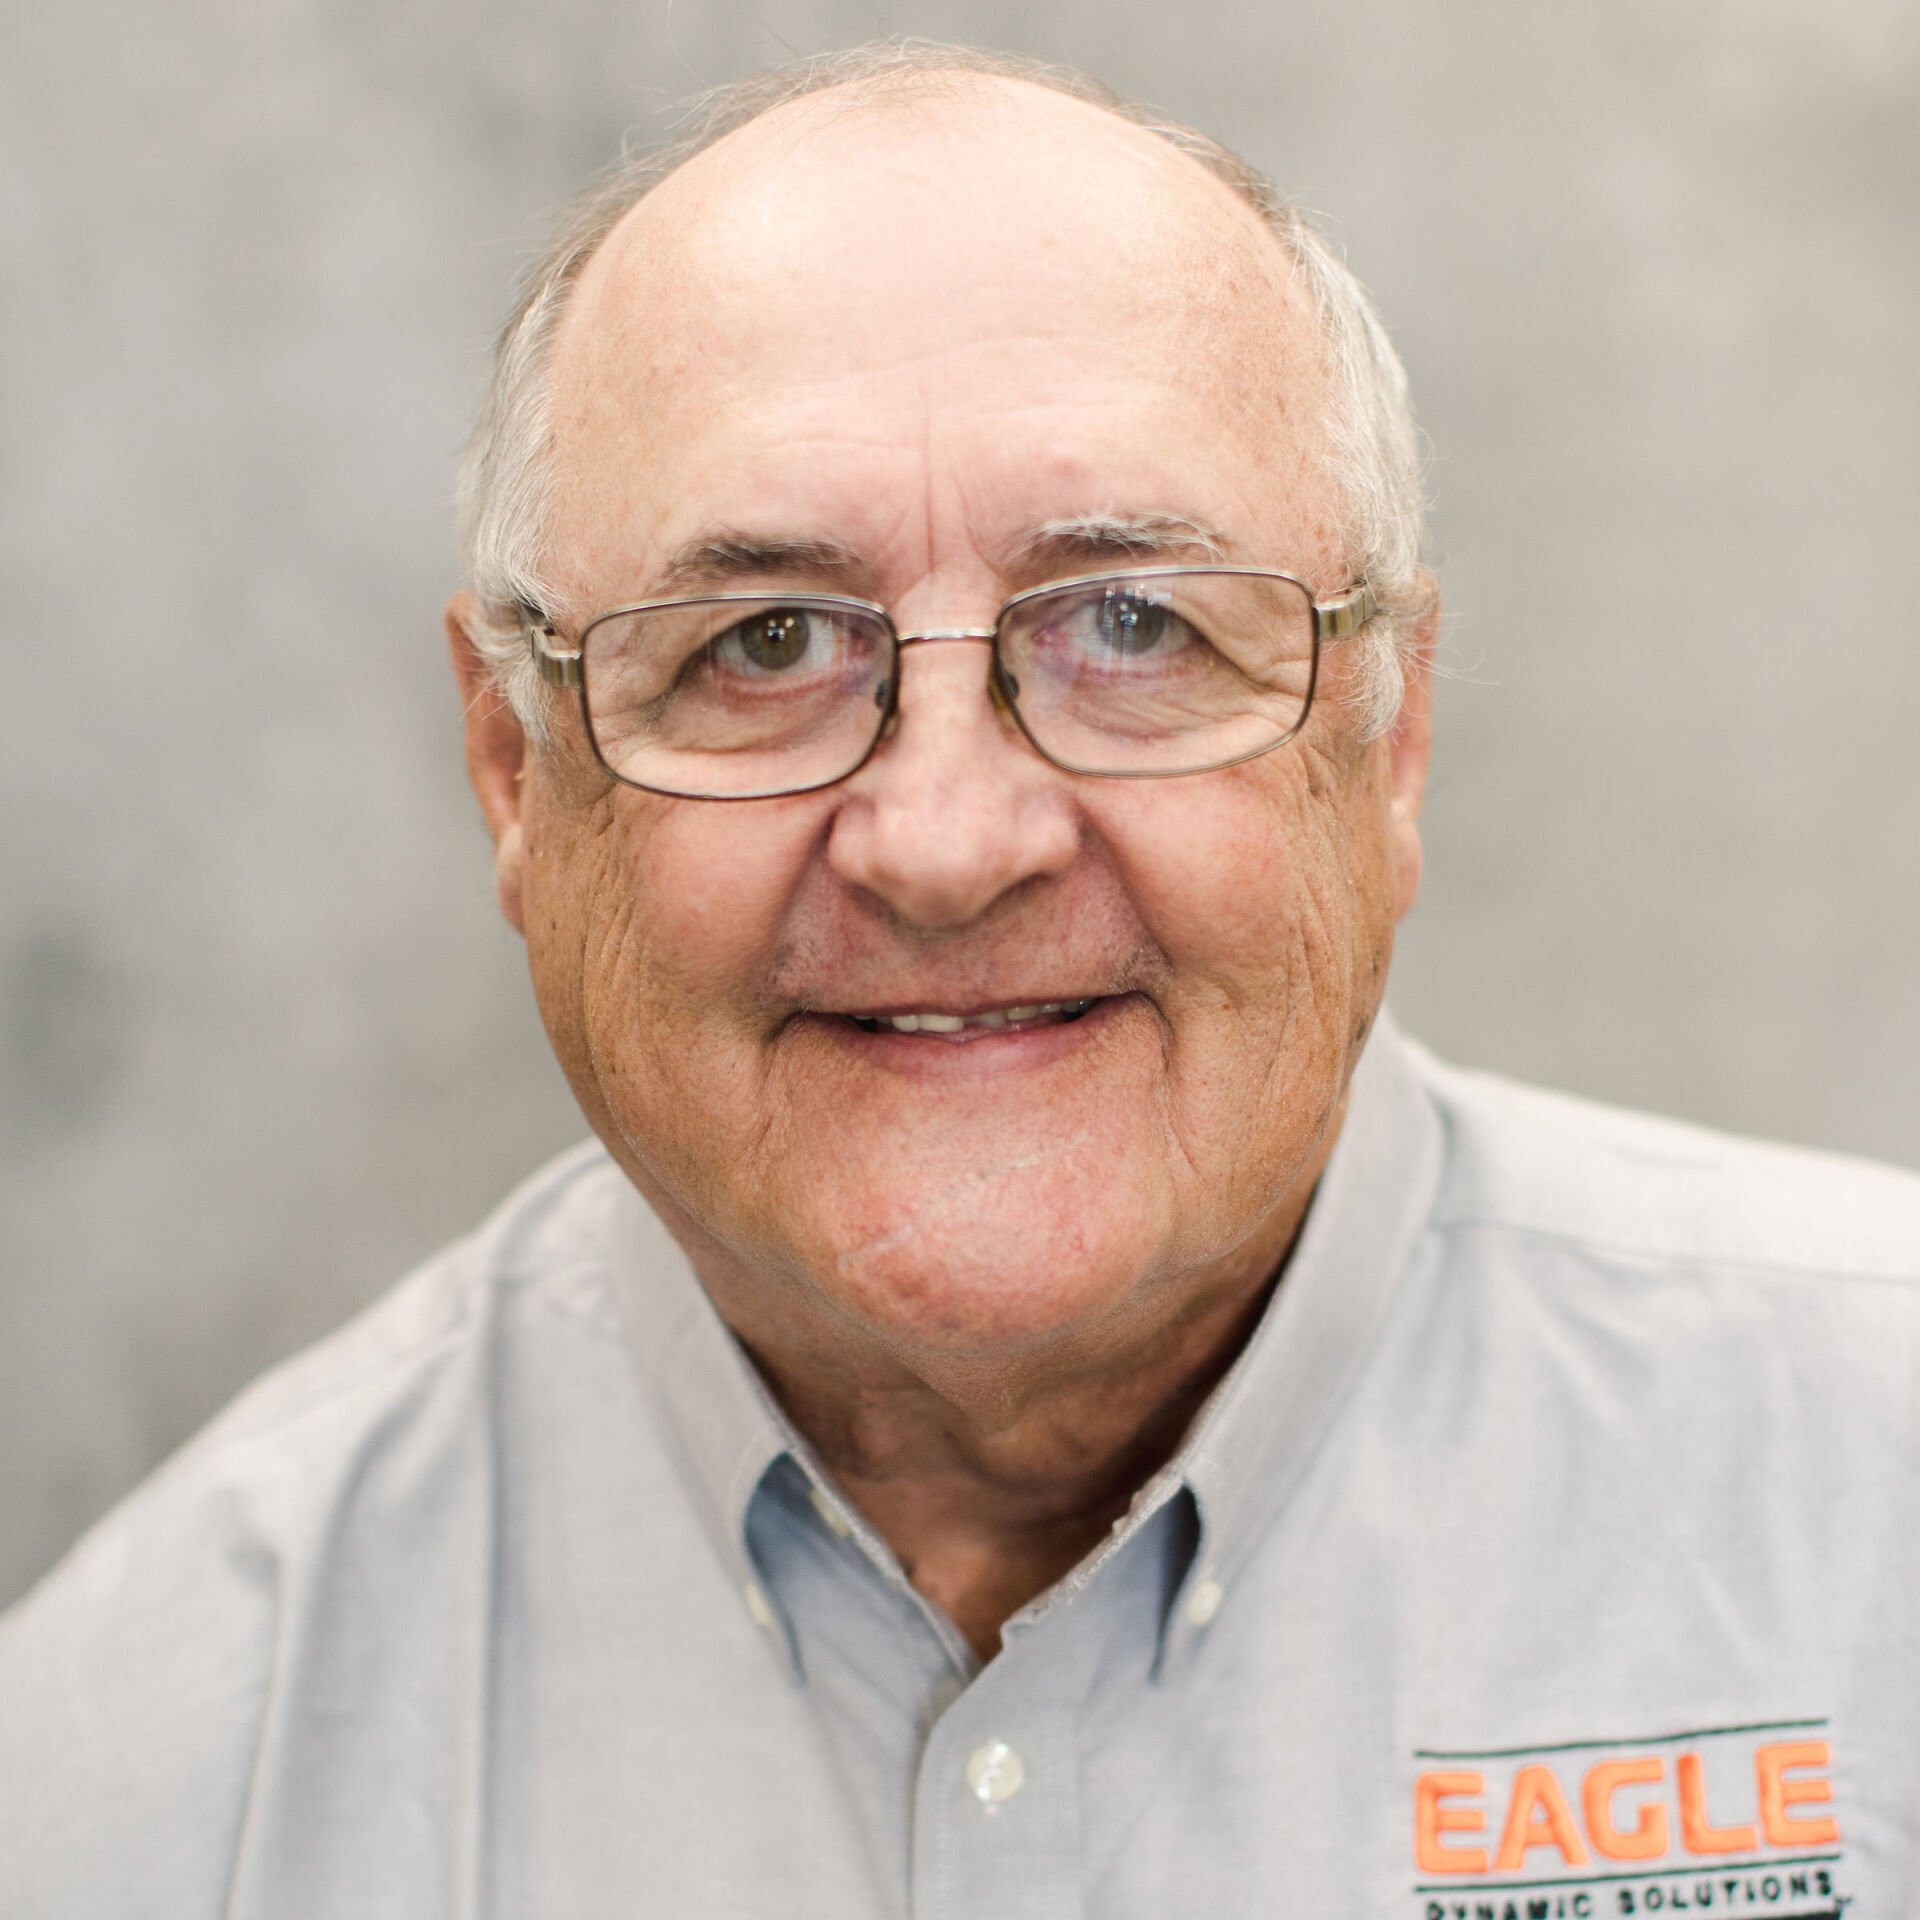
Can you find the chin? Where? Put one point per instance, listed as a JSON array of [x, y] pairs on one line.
[[971, 1272]]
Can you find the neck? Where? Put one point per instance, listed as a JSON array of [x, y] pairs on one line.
[[990, 1480]]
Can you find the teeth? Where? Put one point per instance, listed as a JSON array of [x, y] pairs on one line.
[[995, 1020]]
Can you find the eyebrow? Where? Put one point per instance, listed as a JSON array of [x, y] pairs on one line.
[[723, 557], [1094, 538]]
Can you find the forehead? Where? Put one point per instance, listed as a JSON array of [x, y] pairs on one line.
[[976, 306]]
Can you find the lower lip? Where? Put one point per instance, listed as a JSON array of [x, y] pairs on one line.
[[972, 1049]]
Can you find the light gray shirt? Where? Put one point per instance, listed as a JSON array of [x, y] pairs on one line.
[[1552, 1550]]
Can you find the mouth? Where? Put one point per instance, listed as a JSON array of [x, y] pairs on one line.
[[935, 1023]]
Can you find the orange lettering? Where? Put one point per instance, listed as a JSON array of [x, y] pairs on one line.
[[1778, 1793], [1538, 1816], [1647, 1838], [1431, 1820], [1699, 1833]]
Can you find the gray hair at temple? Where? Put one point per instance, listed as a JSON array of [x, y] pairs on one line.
[[505, 498]]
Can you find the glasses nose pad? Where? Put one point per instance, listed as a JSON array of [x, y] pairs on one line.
[[1004, 688]]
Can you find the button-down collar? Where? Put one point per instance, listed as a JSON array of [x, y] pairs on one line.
[[720, 1418], [1257, 1433]]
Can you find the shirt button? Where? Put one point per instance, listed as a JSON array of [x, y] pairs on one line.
[[757, 1604], [995, 1773], [837, 1522], [1204, 1602]]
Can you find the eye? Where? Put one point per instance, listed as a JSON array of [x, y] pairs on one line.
[[776, 641], [1127, 623], [1117, 628]]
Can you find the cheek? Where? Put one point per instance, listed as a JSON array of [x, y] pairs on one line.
[[1271, 897], [1274, 877], [679, 905], [567, 865], [654, 929]]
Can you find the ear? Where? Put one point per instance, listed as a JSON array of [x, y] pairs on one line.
[[496, 754], [1407, 743]]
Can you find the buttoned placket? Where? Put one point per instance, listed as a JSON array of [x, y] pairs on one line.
[[991, 1754], [996, 1816]]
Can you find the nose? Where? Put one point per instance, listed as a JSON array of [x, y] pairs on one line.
[[954, 810]]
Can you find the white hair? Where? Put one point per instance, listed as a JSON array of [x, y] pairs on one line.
[[505, 497]]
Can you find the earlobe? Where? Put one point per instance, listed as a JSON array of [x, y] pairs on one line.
[[496, 754]]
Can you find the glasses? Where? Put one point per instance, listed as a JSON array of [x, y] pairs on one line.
[[1133, 675]]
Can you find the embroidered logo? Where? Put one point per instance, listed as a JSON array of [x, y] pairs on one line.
[[1708, 1822]]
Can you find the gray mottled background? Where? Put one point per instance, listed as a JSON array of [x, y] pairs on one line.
[[1654, 268]]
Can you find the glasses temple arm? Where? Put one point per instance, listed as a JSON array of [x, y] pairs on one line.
[[1336, 619], [557, 668]]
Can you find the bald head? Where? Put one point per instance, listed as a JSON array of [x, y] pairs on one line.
[[933, 206], [926, 151]]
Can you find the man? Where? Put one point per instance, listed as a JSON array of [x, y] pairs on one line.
[[1040, 1402]]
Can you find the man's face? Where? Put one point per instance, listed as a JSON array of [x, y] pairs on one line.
[[929, 336]]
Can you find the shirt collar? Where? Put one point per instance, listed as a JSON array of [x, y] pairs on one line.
[[720, 1419], [1249, 1444], [1257, 1434]]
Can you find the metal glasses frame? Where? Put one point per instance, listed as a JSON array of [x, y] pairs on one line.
[[1333, 619]]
